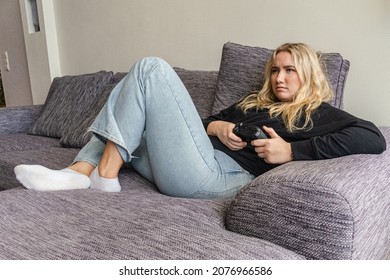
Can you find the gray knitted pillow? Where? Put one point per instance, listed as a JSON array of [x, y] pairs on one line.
[[68, 100], [336, 69], [242, 71], [78, 134]]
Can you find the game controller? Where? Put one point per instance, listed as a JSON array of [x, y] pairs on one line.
[[248, 132]]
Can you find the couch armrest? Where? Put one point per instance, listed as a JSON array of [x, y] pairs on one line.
[[18, 119], [328, 209]]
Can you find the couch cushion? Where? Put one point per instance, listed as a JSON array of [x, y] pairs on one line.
[[78, 135], [242, 71], [301, 216], [136, 223], [336, 69], [21, 142], [68, 99], [18, 119], [201, 87]]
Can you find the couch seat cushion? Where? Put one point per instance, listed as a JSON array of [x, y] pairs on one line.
[[136, 223]]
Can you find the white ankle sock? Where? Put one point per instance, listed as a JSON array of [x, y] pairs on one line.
[[40, 178], [104, 184]]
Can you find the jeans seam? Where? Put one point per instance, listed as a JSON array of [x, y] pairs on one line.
[[193, 135], [84, 160], [102, 134]]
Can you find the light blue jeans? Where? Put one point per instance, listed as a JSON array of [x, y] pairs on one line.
[[151, 118]]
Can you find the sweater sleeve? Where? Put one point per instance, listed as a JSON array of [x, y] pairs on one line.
[[222, 115], [341, 138]]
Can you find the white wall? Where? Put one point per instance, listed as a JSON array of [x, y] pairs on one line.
[[15, 81], [41, 48], [113, 34]]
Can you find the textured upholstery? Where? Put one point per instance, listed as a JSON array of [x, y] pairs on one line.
[[68, 99], [241, 71], [137, 223], [201, 87], [21, 142], [336, 69], [18, 119], [330, 209], [78, 135]]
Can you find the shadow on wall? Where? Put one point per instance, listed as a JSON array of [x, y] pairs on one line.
[[2, 98]]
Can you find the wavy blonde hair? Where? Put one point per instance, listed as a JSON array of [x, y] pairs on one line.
[[314, 88]]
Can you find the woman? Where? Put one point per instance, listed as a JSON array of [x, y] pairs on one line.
[[150, 121]]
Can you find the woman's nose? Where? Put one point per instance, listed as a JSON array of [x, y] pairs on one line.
[[280, 77]]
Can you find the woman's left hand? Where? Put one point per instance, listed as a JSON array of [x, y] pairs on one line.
[[273, 150]]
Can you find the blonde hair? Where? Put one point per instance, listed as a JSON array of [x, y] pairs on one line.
[[314, 89]]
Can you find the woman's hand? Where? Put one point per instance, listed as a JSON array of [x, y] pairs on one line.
[[224, 131], [273, 150]]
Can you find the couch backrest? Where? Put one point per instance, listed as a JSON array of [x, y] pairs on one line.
[[76, 100], [201, 87]]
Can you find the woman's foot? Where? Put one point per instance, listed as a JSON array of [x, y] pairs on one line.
[[40, 178], [105, 176], [104, 184]]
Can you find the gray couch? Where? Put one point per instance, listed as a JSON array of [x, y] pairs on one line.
[[329, 209]]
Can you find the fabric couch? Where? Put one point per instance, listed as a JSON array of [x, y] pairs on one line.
[[328, 209]]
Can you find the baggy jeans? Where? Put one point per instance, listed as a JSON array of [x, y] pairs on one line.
[[152, 120]]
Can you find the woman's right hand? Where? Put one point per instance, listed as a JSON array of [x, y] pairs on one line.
[[224, 131]]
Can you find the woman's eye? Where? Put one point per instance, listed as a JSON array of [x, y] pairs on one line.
[[290, 70], [274, 70]]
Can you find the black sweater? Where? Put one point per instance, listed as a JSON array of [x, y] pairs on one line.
[[335, 133]]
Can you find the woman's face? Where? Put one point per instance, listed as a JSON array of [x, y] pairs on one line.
[[284, 77]]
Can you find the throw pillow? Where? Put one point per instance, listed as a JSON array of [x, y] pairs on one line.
[[78, 135], [242, 71], [68, 100], [336, 69]]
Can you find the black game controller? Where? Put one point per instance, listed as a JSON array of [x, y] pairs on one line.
[[248, 132]]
